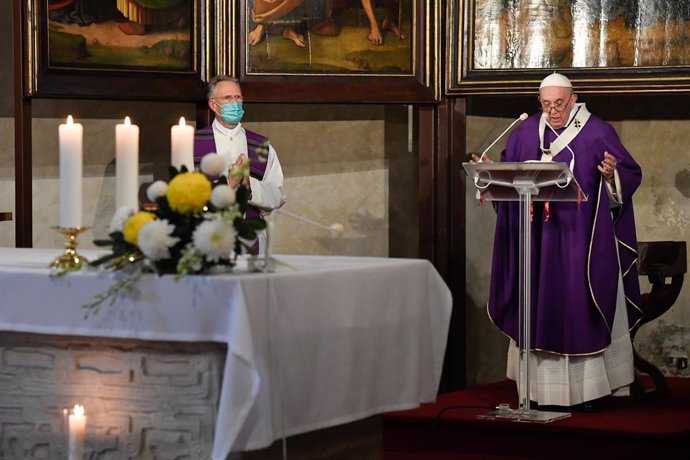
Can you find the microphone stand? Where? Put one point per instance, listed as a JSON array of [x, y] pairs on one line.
[[333, 228], [267, 263], [522, 117]]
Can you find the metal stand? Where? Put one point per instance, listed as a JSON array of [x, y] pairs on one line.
[[264, 263], [524, 182], [70, 259]]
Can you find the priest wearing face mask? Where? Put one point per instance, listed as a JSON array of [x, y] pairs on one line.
[[585, 291], [238, 146]]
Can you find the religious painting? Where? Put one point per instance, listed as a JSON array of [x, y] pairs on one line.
[[116, 47], [319, 48], [329, 36], [130, 34], [612, 45]]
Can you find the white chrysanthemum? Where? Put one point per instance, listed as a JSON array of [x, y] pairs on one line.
[[213, 164], [120, 218], [215, 239], [156, 190], [155, 239], [222, 196]]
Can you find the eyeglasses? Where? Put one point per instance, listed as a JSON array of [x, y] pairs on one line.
[[229, 98], [559, 105]]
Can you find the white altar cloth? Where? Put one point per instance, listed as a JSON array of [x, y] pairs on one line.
[[321, 342]]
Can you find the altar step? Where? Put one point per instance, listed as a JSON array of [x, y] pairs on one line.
[[653, 428]]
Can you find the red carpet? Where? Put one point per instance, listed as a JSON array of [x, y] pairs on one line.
[[652, 429]]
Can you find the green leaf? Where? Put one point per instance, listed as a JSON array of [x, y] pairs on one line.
[[116, 236], [246, 233], [255, 224], [242, 196], [124, 284]]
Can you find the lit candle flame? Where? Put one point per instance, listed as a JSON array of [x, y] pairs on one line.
[[70, 120], [127, 121], [182, 122], [78, 410]]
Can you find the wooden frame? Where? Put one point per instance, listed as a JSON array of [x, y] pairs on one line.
[[494, 50], [84, 76], [420, 84]]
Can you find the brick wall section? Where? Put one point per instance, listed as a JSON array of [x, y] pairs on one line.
[[142, 399]]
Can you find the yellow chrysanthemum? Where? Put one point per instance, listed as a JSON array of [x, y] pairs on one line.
[[189, 192], [134, 224]]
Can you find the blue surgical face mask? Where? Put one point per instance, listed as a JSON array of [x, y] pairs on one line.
[[232, 112]]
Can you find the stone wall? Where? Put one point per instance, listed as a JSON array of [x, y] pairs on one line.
[[336, 171], [143, 400]]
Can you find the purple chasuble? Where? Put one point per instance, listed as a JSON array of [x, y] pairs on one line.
[[257, 152], [575, 254]]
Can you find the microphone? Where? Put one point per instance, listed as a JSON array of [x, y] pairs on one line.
[[522, 117], [335, 228]]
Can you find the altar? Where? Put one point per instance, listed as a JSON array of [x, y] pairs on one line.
[[321, 342]]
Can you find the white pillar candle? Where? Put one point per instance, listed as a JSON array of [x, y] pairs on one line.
[[127, 165], [182, 145], [77, 428], [70, 147]]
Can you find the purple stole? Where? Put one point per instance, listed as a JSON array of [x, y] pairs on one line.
[[257, 152]]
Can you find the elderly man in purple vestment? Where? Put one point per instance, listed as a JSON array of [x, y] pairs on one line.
[[585, 293], [238, 146]]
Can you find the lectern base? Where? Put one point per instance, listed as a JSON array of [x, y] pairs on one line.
[[505, 413]]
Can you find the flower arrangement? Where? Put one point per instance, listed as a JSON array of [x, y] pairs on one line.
[[194, 223]]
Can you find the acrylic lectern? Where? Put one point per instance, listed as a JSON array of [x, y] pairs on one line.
[[524, 182]]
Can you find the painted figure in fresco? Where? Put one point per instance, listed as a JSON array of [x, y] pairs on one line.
[[83, 12], [133, 16], [143, 14], [321, 17], [389, 22], [265, 12], [238, 146], [585, 289], [121, 33]]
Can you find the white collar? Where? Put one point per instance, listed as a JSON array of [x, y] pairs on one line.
[[226, 131], [576, 121]]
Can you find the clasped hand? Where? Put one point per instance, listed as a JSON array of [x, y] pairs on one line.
[[241, 163]]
